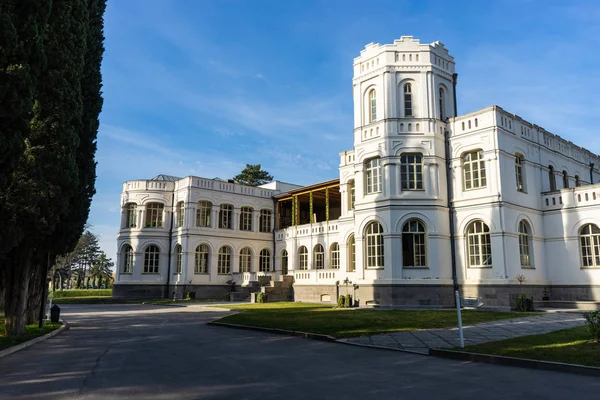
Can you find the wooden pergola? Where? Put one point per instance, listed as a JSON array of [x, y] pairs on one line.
[[307, 205]]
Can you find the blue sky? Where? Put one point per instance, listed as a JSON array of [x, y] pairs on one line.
[[198, 87]]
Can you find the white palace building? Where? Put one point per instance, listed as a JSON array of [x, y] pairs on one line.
[[426, 202]]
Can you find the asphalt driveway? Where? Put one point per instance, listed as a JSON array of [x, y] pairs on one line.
[[153, 352]]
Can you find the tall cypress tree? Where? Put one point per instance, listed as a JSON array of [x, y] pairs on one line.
[[47, 175]]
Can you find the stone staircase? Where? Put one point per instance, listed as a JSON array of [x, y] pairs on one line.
[[280, 290]]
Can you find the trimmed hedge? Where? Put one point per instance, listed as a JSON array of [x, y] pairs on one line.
[[59, 294]]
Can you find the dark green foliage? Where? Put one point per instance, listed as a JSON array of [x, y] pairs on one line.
[[261, 297], [524, 303], [253, 175], [341, 300], [348, 301], [592, 320]]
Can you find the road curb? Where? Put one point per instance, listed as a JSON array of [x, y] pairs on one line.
[[376, 347], [307, 335], [24, 345], [516, 362]]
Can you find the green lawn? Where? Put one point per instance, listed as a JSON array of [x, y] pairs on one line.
[[573, 346], [32, 332], [324, 319]]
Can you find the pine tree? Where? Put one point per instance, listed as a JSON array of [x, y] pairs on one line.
[[253, 175]]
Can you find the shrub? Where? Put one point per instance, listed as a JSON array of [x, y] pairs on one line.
[[261, 297], [188, 297], [524, 303], [59, 294], [348, 301], [592, 319], [341, 301]]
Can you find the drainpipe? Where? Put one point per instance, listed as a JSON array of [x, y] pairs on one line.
[[454, 82], [592, 173], [450, 191], [166, 292], [274, 221]]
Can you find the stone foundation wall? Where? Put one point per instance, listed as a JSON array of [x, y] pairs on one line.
[[317, 294], [141, 291]]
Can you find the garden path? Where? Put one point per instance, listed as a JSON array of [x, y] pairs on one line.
[[423, 340]]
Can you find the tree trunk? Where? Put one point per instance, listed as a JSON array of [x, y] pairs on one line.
[[37, 289], [17, 273]]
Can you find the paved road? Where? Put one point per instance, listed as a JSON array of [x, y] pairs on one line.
[[148, 352], [422, 341]]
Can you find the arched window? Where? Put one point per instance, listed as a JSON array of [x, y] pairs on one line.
[[577, 181], [565, 179], [225, 216], [590, 245], [284, 262], [524, 244], [151, 259], [411, 171], [413, 244], [131, 221], [264, 260], [479, 245], [178, 259], [303, 257], [551, 178], [474, 170], [246, 219], [201, 259], [351, 195], [519, 160], [334, 255], [374, 245], [180, 214], [203, 213], [154, 215], [224, 260], [127, 256], [442, 104], [408, 109], [265, 220], [372, 106], [318, 257], [351, 254], [373, 175], [245, 259]]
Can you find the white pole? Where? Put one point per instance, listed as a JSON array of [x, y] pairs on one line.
[[49, 307], [460, 328]]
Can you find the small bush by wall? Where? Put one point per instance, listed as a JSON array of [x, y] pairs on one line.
[[592, 320], [261, 297]]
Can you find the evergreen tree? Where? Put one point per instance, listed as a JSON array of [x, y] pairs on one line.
[[46, 174], [253, 175]]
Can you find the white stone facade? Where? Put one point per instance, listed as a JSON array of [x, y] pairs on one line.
[[520, 201]]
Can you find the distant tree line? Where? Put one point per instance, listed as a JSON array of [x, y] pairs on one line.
[[86, 267], [50, 100]]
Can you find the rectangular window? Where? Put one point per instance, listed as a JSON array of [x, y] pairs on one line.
[[131, 215], [180, 214], [154, 215], [265, 220], [203, 214], [373, 175], [225, 216], [411, 171], [246, 219], [474, 170], [519, 173]]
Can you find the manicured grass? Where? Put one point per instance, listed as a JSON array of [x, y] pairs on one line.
[[572, 346], [324, 319], [93, 300], [59, 294], [32, 331]]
